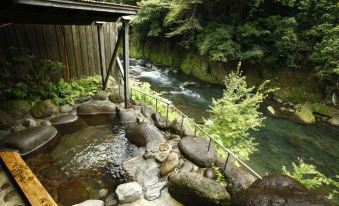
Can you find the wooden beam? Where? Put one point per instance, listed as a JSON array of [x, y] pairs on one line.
[[114, 57], [34, 191], [126, 61], [101, 53]]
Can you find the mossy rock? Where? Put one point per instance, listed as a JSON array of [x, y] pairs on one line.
[[324, 109], [305, 114], [44, 109], [6, 122], [16, 108]]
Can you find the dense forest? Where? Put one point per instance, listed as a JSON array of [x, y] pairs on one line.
[[300, 34]]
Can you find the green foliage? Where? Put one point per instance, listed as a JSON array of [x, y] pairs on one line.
[[282, 33], [27, 78], [308, 175], [236, 113], [66, 92], [220, 175]]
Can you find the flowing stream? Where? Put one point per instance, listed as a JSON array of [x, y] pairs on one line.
[[281, 141]]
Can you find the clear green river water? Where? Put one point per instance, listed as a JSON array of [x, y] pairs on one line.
[[281, 141]]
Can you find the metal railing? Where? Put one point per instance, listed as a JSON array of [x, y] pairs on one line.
[[195, 125], [196, 128]]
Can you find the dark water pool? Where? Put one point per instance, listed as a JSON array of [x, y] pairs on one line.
[[281, 141], [85, 164]]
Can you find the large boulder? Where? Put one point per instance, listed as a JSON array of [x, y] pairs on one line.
[[67, 123], [6, 122], [29, 140], [196, 190], [101, 96], [147, 111], [305, 114], [276, 190], [195, 149], [16, 108], [171, 162], [181, 127], [128, 115], [117, 95], [141, 134], [160, 121], [128, 192], [98, 112], [44, 109], [334, 121]]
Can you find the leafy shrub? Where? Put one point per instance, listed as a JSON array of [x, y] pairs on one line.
[[308, 175], [236, 113]]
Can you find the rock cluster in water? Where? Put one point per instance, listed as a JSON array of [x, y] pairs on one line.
[[176, 168]]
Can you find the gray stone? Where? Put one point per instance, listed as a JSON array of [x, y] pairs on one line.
[[44, 109], [29, 123], [117, 95], [159, 121], [66, 108], [82, 100], [334, 121], [98, 112], [127, 115], [169, 165], [277, 190], [193, 189], [271, 110], [196, 150], [91, 203], [145, 172], [29, 140], [128, 192], [103, 193], [6, 122], [110, 200], [186, 167], [147, 111], [180, 127], [141, 134], [101, 96], [154, 192], [67, 123], [209, 173]]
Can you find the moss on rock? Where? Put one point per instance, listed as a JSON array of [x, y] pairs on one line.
[[304, 113], [16, 108], [44, 109]]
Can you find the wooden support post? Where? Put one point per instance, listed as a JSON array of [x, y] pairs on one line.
[[101, 52], [114, 57], [126, 21]]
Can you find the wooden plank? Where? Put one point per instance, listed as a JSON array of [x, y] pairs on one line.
[[70, 51], [107, 46], [102, 53], [96, 51], [90, 51], [31, 38], [83, 48], [77, 51], [62, 51], [34, 191], [21, 37], [41, 42]]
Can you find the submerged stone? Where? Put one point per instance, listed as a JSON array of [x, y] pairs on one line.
[[67, 123], [29, 140]]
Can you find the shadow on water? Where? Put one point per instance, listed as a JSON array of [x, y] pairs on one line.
[[281, 141]]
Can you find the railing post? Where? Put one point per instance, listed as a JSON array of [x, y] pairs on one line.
[[182, 123], [195, 130], [228, 156], [126, 21], [209, 144], [156, 105], [167, 115]]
